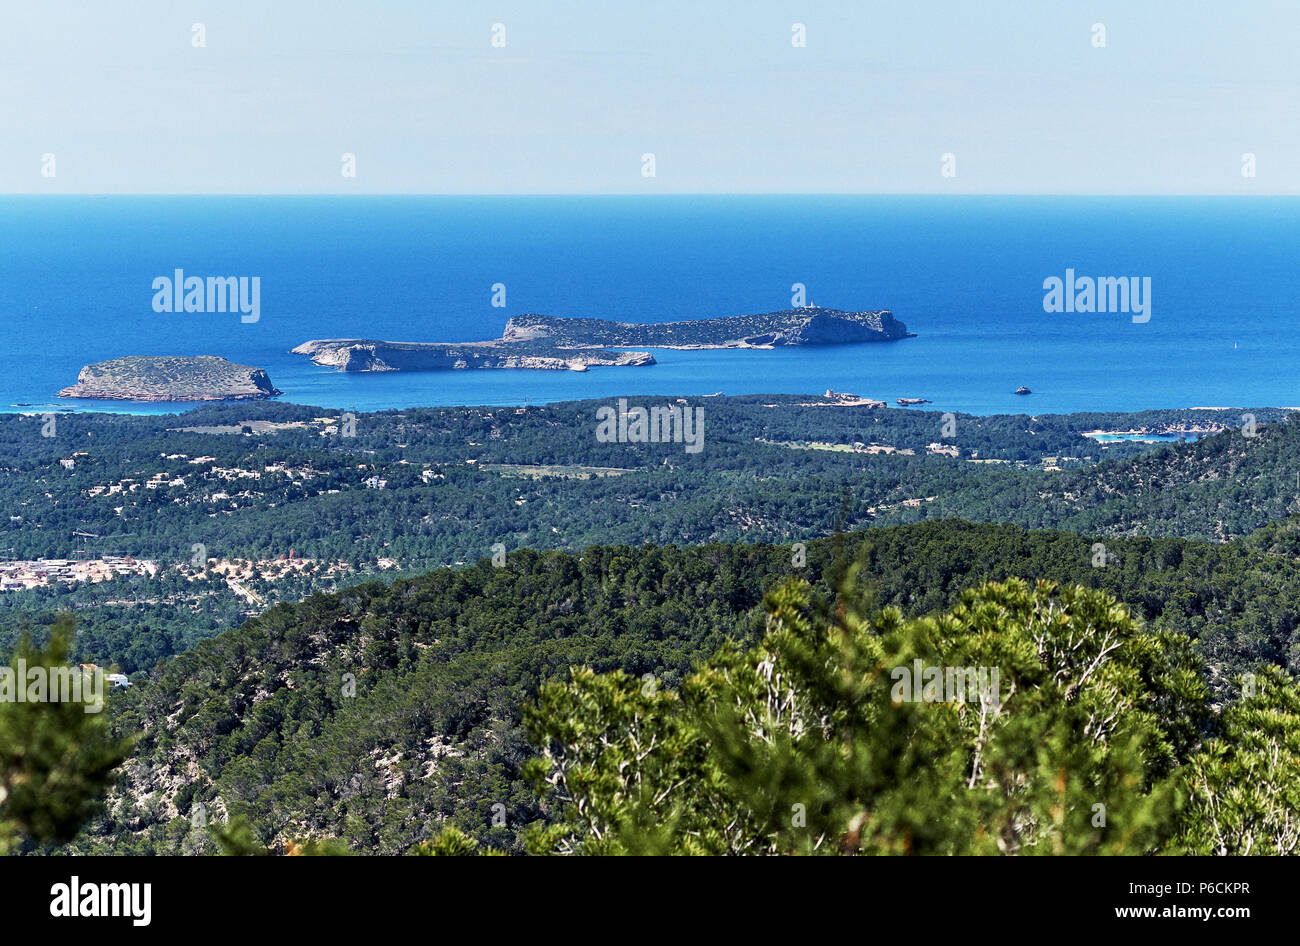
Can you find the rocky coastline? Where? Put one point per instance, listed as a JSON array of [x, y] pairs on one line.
[[361, 354]]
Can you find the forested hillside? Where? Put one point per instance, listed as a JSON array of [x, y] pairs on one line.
[[242, 506], [383, 712], [450, 563]]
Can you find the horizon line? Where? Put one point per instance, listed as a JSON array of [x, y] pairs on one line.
[[1135, 194]]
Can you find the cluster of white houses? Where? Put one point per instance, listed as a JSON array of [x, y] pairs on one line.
[[35, 573]]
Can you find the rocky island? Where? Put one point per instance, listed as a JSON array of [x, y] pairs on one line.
[[809, 325], [171, 378], [364, 354], [552, 342]]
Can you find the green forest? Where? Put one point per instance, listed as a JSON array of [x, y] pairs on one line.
[[262, 482], [542, 643]]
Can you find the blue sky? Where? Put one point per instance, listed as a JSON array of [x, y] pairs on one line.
[[1016, 91]]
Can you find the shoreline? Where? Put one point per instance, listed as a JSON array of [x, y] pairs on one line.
[[174, 408]]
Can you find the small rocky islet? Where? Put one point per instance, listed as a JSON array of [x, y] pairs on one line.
[[171, 378]]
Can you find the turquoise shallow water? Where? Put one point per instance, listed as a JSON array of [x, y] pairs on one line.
[[964, 273], [1143, 438]]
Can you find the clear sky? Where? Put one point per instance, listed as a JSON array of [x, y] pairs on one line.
[[1017, 92]]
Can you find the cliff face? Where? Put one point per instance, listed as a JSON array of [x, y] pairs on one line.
[[359, 354], [171, 378], [825, 328]]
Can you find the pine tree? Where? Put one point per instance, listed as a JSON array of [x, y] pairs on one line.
[[56, 759], [1244, 785], [811, 742]]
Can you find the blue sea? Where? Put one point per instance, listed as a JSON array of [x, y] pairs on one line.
[[964, 273]]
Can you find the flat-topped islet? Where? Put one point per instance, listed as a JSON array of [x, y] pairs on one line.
[[171, 378], [808, 325]]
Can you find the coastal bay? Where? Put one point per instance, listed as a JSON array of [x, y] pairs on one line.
[[1205, 342]]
